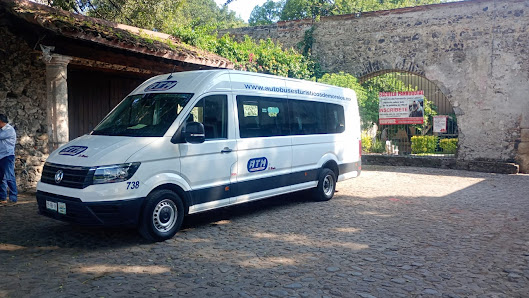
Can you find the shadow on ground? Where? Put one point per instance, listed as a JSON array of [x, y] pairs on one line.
[[23, 228]]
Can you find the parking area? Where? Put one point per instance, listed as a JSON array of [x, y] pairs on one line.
[[392, 232]]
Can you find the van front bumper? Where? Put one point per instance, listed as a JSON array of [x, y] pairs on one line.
[[102, 213]]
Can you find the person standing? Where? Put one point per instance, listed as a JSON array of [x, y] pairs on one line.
[[8, 139]]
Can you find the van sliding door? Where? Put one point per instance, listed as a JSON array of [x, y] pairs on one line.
[[264, 147]]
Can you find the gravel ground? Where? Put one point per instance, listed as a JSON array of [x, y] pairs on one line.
[[392, 232]]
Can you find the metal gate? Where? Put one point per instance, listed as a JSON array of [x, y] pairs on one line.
[[404, 139]]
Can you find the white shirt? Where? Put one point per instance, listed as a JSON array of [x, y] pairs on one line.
[[8, 138]]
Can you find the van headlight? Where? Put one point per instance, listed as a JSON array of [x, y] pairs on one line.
[[115, 173]]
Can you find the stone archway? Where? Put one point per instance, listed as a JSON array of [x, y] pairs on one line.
[[474, 51], [435, 103]]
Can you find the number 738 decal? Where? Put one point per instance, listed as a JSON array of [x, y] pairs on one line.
[[133, 185]]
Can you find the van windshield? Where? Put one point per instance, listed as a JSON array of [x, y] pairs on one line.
[[143, 115]]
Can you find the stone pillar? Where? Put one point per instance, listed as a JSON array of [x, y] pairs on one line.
[[57, 107]]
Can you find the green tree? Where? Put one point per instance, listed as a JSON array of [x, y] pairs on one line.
[[302, 9], [148, 14], [268, 13], [206, 13], [158, 15], [366, 105]]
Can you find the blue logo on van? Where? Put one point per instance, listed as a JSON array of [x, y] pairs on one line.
[[161, 86], [257, 164], [73, 150]]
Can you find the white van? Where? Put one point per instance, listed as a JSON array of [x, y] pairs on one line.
[[193, 141]]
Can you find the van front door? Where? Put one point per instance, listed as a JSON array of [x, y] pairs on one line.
[[208, 166]]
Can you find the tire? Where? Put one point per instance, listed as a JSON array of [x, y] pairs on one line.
[[326, 185], [162, 215]]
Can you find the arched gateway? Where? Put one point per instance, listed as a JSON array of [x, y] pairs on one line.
[[432, 106], [475, 51]]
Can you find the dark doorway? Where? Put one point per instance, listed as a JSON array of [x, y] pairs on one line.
[[92, 94]]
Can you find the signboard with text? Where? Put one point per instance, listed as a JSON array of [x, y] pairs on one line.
[[404, 107], [439, 123]]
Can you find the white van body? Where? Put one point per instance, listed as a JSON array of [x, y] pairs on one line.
[[260, 139]]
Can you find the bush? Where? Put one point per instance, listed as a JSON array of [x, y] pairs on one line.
[[449, 146], [378, 147], [423, 144], [367, 142]]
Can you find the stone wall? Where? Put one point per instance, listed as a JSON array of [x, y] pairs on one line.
[[475, 51], [23, 100]]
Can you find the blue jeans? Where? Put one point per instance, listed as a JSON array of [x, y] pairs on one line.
[[7, 176]]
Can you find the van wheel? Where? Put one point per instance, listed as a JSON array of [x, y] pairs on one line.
[[162, 215], [326, 185]]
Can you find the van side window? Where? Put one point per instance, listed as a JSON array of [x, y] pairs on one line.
[[307, 117], [212, 112], [335, 119], [262, 116], [310, 117]]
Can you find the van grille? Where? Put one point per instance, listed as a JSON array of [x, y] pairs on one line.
[[73, 177]]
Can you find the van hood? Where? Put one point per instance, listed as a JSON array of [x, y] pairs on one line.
[[95, 150]]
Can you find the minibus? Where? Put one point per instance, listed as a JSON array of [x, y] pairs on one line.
[[189, 142]]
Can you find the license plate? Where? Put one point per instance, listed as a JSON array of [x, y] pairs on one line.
[[61, 208], [51, 205]]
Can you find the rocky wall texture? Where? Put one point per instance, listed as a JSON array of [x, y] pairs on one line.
[[23, 100], [475, 51]]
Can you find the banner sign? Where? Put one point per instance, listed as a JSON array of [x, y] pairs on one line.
[[439, 123], [405, 107]]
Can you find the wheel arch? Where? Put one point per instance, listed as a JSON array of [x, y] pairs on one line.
[[186, 200], [333, 166]]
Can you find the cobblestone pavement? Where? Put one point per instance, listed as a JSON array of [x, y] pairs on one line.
[[393, 232]]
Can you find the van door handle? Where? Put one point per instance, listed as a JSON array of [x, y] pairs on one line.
[[226, 150]]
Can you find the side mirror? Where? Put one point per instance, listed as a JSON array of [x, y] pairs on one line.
[[194, 133]]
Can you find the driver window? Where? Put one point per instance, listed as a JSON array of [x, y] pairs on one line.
[[212, 112]]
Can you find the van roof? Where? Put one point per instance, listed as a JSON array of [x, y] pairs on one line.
[[201, 81]]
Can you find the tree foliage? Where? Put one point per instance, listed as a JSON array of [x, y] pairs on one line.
[[368, 92], [345, 80], [157, 15], [304, 9], [264, 56], [268, 13]]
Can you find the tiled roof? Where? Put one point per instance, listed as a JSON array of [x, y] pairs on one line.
[[74, 27]]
